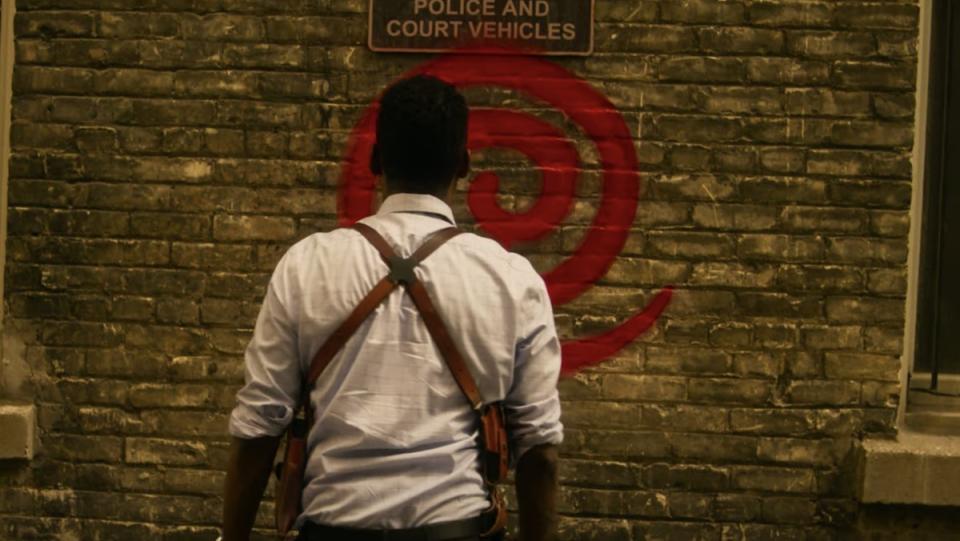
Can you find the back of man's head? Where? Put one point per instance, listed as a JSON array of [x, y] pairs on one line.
[[421, 135]]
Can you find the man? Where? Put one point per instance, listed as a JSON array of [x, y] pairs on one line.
[[392, 449]]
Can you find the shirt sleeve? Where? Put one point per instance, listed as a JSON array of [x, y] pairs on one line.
[[266, 402], [532, 406]]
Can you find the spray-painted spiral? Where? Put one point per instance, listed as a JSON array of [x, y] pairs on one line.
[[558, 163]]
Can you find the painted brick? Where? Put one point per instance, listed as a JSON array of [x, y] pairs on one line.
[[791, 13], [774, 479]]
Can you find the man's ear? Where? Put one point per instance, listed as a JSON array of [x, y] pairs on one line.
[[464, 169], [376, 167]]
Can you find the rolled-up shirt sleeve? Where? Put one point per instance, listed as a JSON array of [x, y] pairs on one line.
[[266, 402], [532, 405]]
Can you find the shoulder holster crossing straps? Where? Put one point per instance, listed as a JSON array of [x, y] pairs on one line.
[[290, 472], [493, 446], [401, 273]]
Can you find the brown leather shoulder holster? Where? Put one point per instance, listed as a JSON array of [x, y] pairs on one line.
[[492, 441]]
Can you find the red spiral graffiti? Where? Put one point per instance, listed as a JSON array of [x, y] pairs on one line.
[[558, 163]]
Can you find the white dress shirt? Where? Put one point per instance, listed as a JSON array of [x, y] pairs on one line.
[[393, 444]]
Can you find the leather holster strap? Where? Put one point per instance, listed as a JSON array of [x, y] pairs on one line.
[[381, 291], [445, 344], [431, 317], [388, 254], [346, 329]]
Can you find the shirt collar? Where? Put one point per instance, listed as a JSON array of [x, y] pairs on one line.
[[414, 202]]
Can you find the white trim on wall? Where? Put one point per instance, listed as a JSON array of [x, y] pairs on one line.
[[916, 205]]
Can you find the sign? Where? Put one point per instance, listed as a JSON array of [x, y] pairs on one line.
[[552, 27]]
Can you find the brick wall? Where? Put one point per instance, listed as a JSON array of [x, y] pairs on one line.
[[166, 152]]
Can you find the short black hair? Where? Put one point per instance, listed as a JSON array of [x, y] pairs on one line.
[[421, 134]]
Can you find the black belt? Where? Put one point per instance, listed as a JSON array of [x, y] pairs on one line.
[[441, 531]]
